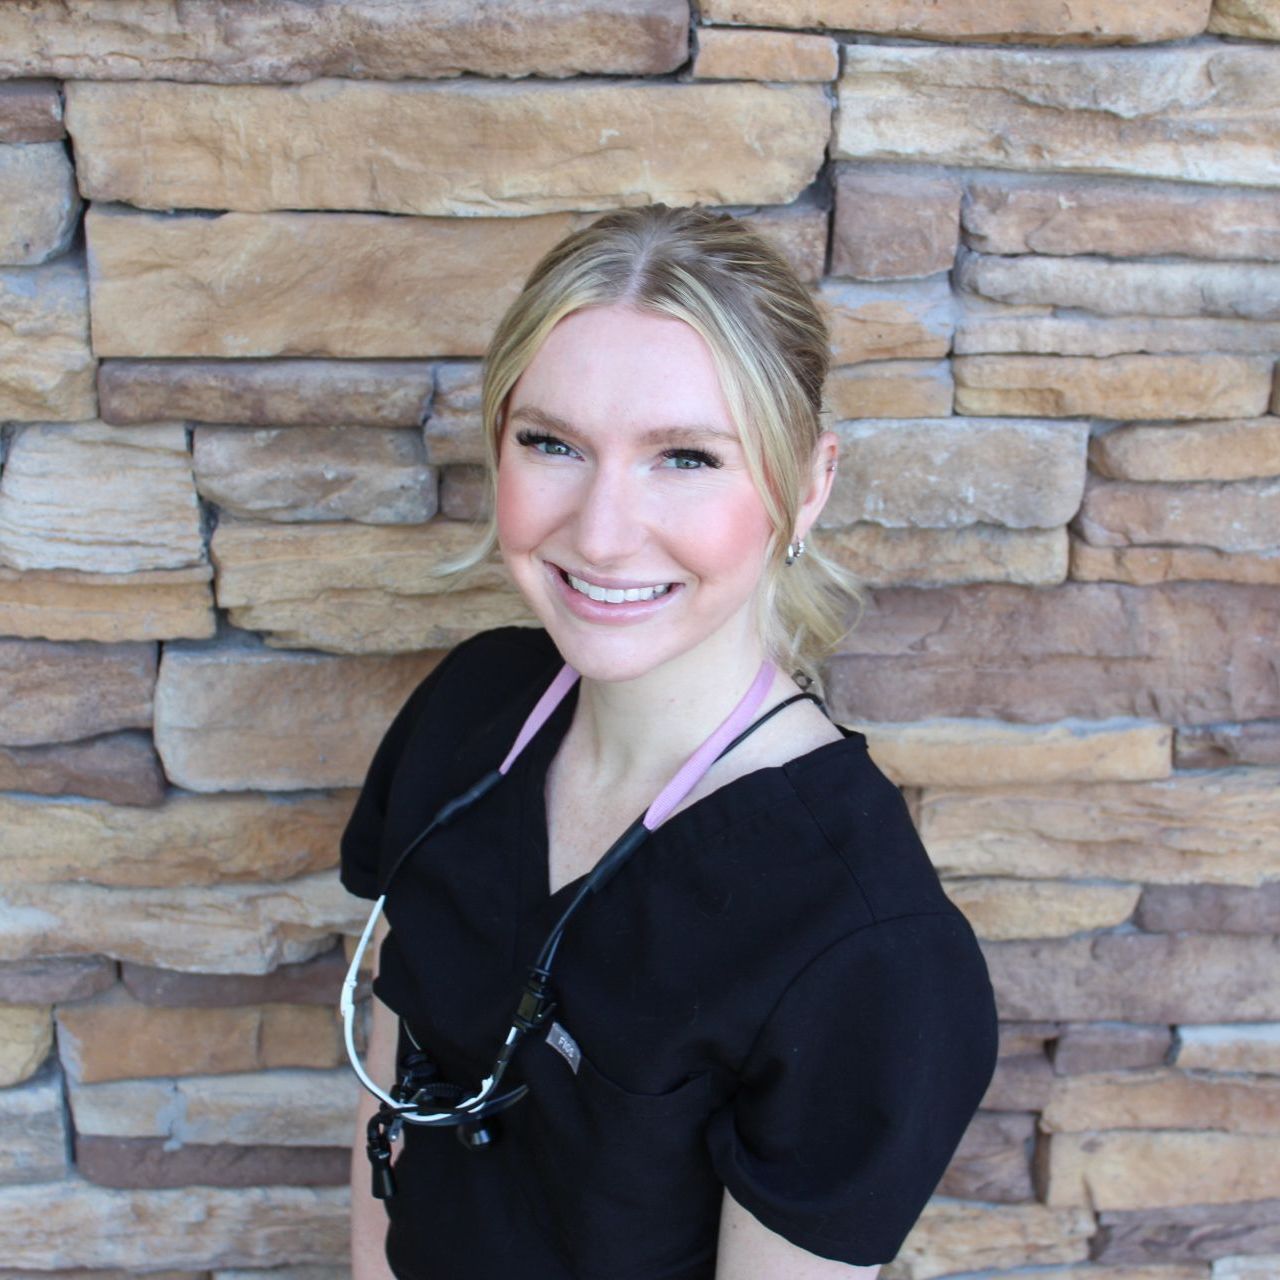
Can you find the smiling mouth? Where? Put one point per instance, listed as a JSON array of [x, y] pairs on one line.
[[613, 595]]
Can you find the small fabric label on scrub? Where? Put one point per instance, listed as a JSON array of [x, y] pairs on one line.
[[565, 1045]]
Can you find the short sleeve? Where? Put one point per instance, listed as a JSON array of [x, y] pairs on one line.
[[859, 1087]]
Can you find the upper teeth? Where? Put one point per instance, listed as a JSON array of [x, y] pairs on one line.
[[615, 595]]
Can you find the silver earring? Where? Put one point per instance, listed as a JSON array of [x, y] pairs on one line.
[[795, 550]]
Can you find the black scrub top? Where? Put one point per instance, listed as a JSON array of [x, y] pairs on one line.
[[774, 996]]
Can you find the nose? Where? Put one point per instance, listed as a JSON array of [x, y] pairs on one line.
[[610, 524]]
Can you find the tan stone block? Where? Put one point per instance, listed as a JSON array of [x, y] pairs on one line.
[[953, 472], [909, 319], [291, 40], [57, 692], [315, 473], [1244, 290], [47, 366], [1136, 1170], [1234, 517], [30, 111], [880, 557], [188, 840], [893, 222], [149, 1162], [1257, 19], [1235, 1046], [120, 767], [454, 431], [1142, 566], [991, 1161], [233, 719], [1128, 386], [163, 145], [1243, 449], [26, 1036], [33, 1132], [1020, 1083], [1190, 828], [465, 493], [891, 389], [1221, 745], [1001, 908], [981, 753], [39, 207], [764, 55], [1211, 908], [97, 498], [266, 393], [1076, 214], [229, 928], [797, 230], [1141, 112], [116, 1038], [193, 1227], [1086, 1047], [317, 981], [52, 981], [305, 284], [1026, 1038]]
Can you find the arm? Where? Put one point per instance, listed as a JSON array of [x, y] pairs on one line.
[[748, 1250]]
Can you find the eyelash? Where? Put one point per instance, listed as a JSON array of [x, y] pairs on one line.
[[700, 456]]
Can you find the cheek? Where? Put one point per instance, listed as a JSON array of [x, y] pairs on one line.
[[517, 509], [727, 538]]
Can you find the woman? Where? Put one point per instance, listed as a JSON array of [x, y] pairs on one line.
[[759, 1039]]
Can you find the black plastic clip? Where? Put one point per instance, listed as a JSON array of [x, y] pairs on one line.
[[378, 1147], [536, 1001]]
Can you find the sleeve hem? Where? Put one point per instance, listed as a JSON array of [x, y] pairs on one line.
[[836, 1248]]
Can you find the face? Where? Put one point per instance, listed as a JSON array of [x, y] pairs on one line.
[[626, 513]]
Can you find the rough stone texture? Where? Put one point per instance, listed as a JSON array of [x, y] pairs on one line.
[[984, 753], [39, 207], [53, 981], [315, 981], [1119, 387], [307, 1273], [892, 223], [948, 473], [1021, 1083], [162, 145], [891, 389], [305, 284], [120, 767], [195, 1227], [1072, 214], [454, 430], [1210, 908], [1026, 1038], [239, 928], [1142, 566], [764, 55], [1141, 1170], [148, 1162], [1001, 908], [992, 1162], [1086, 1047], [33, 1132], [265, 393], [46, 366], [1243, 449], [1258, 19], [68, 604], [1215, 827], [58, 692], [234, 719], [464, 493], [1188, 1232], [1227, 1047], [315, 473], [1221, 745], [1184, 653], [280, 1108], [1234, 290], [291, 40], [908, 319], [116, 1038], [26, 1036], [189, 840], [1196, 113], [1004, 21], [797, 230], [1138, 977], [100, 499], [30, 111]]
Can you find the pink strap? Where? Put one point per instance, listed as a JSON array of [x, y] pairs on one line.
[[545, 705]]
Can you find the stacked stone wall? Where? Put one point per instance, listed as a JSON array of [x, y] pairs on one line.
[[249, 259]]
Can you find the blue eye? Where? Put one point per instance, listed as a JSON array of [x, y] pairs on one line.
[[544, 444], [690, 459]]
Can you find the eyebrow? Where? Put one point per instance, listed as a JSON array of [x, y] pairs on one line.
[[654, 436]]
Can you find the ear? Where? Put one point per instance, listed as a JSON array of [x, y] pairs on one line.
[[822, 475]]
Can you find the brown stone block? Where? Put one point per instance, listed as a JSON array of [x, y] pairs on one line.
[[33, 1131], [993, 1161], [266, 393], [1184, 653], [1076, 214], [908, 319], [454, 432], [1022, 1082], [1210, 908], [30, 111], [26, 1036], [999, 907], [57, 692], [464, 493], [1140, 112], [1220, 746], [797, 230], [315, 981], [55, 980], [891, 389], [1243, 449], [1115, 387], [764, 55], [147, 1162], [39, 207], [893, 223], [1026, 1038], [163, 145], [1084, 1047], [1255, 19], [1143, 566], [291, 40], [1252, 1047], [120, 767], [1188, 1232]]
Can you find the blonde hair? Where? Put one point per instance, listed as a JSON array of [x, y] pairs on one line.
[[770, 347]]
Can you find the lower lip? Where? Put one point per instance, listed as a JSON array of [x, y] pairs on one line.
[[600, 611]]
